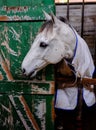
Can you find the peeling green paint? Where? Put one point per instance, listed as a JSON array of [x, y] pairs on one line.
[[24, 103]]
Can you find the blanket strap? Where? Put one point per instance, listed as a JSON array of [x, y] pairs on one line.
[[67, 83]]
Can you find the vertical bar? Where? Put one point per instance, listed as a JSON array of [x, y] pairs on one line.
[[68, 9], [82, 19], [95, 41], [79, 107]]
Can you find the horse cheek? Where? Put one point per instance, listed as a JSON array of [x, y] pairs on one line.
[[54, 56]]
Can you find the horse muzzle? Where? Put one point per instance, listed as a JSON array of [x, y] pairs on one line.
[[31, 74]]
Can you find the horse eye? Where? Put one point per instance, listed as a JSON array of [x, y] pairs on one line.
[[43, 44]]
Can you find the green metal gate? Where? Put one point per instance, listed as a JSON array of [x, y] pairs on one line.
[[24, 104]]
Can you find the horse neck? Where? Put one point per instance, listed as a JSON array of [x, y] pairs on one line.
[[69, 39], [70, 42]]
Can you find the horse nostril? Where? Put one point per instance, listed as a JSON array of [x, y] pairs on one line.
[[23, 70]]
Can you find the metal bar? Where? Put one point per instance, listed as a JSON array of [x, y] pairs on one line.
[[95, 42], [79, 107], [82, 19], [68, 9], [22, 21]]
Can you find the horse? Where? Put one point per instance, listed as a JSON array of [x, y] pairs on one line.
[[57, 40]]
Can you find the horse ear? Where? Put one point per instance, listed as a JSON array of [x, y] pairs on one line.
[[51, 17], [47, 16], [55, 20]]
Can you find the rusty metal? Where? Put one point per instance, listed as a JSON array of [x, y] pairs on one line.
[[16, 8], [29, 114]]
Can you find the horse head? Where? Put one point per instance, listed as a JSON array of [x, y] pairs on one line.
[[52, 43]]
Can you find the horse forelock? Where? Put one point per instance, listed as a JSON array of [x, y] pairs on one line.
[[48, 25]]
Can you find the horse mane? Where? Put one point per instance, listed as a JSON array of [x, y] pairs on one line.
[[65, 20]]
